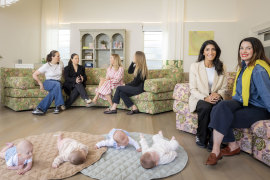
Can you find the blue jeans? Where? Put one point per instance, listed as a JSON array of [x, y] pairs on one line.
[[55, 93]]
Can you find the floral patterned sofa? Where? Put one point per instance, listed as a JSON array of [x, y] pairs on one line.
[[20, 92], [255, 140]]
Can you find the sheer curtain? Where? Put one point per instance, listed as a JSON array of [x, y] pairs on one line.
[[49, 26], [173, 17], [4, 3]]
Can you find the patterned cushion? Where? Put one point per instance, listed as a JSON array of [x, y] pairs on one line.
[[150, 107], [187, 123], [243, 138], [25, 93], [169, 64], [149, 96], [20, 104], [20, 82], [94, 75], [261, 147], [181, 92], [159, 85]]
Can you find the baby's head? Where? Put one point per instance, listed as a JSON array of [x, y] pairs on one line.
[[77, 157], [25, 149], [121, 138], [148, 160]]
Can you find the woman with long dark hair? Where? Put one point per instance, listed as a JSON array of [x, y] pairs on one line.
[[207, 84], [53, 72], [250, 102], [75, 79]]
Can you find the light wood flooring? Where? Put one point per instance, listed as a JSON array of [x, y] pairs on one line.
[[15, 125]]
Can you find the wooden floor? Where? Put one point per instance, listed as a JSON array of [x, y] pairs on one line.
[[15, 125]]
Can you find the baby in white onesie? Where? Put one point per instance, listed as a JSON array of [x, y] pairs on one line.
[[18, 157], [118, 139], [161, 152]]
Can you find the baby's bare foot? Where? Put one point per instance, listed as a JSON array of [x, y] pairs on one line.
[[160, 133], [173, 138]]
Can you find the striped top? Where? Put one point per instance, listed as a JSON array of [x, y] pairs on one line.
[[116, 77]]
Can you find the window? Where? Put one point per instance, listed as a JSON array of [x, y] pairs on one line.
[[64, 45], [153, 49]]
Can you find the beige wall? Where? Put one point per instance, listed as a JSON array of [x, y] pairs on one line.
[[20, 32], [231, 20], [78, 11], [106, 14]]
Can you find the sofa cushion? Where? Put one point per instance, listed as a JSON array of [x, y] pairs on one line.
[[159, 85], [243, 138], [20, 82], [149, 96], [181, 92], [25, 93], [261, 141], [94, 75]]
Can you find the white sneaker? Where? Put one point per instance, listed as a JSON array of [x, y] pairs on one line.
[[88, 101]]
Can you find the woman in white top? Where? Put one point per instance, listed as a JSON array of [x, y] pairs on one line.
[[207, 84], [53, 72]]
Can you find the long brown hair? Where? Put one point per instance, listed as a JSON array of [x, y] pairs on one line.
[[117, 59], [258, 51], [140, 65]]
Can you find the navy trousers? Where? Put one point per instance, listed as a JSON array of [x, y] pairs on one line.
[[230, 114]]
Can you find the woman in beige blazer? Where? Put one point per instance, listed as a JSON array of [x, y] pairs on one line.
[[207, 84]]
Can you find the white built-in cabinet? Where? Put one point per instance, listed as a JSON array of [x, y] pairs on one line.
[[98, 44]]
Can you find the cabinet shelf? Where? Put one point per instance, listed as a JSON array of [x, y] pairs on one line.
[[92, 46], [87, 59], [100, 49]]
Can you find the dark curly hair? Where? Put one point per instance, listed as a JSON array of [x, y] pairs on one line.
[[218, 64]]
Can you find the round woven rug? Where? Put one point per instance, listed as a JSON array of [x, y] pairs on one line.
[[125, 164], [45, 150]]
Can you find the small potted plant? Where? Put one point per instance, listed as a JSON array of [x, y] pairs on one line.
[[103, 44]]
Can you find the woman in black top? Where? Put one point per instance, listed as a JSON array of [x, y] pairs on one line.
[[75, 79], [139, 69]]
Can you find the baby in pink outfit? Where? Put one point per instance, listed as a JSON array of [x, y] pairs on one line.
[[70, 150]]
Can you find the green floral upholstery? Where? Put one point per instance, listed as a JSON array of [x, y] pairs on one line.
[[20, 92], [20, 82], [169, 64], [159, 85], [25, 93]]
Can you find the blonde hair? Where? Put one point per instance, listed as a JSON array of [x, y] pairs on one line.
[[146, 161], [117, 59], [140, 65]]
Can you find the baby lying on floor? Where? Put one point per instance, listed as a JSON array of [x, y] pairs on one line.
[[118, 139], [70, 150], [18, 157], [161, 152]]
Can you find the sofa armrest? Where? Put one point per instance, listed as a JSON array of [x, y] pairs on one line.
[[181, 92], [20, 82], [159, 85]]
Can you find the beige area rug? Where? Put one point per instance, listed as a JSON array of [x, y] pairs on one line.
[[45, 150]]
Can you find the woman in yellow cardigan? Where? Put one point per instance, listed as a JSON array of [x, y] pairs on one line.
[[250, 103]]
